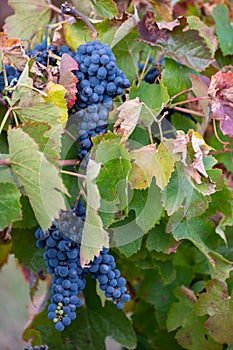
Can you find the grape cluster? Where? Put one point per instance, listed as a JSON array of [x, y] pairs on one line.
[[98, 75], [103, 268], [46, 54], [92, 121], [62, 257], [12, 75]]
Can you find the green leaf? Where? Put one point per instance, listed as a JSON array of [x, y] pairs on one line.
[[159, 240], [176, 78], [127, 54], [10, 204], [127, 235], [39, 178], [115, 164], [147, 206], [217, 303], [6, 174], [153, 291], [178, 192], [105, 8], [200, 231], [94, 237], [22, 26], [25, 250], [28, 220], [192, 334], [149, 335], [48, 146], [224, 29], [146, 93]]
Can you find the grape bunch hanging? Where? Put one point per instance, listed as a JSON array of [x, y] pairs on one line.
[[99, 82]]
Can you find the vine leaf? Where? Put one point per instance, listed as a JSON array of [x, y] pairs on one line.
[[21, 26], [68, 79], [128, 118], [146, 92], [10, 205], [12, 49], [193, 151], [115, 160], [125, 28], [221, 94], [94, 237], [192, 333], [105, 8], [40, 178], [224, 28], [217, 303], [164, 8], [149, 162], [148, 210], [187, 40]]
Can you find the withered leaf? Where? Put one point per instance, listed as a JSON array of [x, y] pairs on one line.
[[68, 79], [221, 93], [128, 117]]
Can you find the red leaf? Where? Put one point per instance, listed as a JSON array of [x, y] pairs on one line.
[[221, 94], [68, 79]]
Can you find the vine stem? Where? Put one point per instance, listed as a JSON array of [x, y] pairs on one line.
[[216, 134], [68, 10], [4, 162], [5, 119], [156, 120], [180, 109], [180, 93], [144, 68], [73, 174], [222, 151], [33, 88], [190, 100], [67, 162]]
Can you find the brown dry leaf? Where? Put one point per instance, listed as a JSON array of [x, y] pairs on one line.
[[221, 93], [12, 48], [193, 149], [128, 117], [164, 8]]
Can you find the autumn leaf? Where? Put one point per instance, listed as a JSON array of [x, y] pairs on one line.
[[193, 150], [149, 162], [12, 48], [186, 40], [164, 8], [221, 93], [128, 117], [68, 79], [217, 303]]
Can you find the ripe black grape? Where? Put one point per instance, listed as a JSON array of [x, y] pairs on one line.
[[98, 74], [103, 268], [46, 54], [12, 75]]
